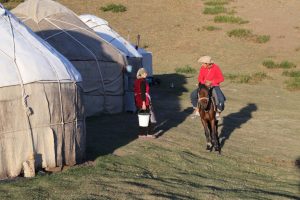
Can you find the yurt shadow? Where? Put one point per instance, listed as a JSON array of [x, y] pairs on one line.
[[106, 133]]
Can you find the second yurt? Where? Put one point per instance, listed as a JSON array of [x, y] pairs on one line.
[[100, 64], [134, 58]]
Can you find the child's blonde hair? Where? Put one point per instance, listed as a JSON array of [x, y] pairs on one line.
[[140, 72]]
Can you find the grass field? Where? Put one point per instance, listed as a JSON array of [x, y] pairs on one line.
[[259, 131]]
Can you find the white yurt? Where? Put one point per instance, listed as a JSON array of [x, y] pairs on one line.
[[100, 64], [134, 58], [41, 111]]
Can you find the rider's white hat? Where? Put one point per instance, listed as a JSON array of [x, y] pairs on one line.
[[205, 59]]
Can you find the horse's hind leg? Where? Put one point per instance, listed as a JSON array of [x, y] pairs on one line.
[[207, 135]]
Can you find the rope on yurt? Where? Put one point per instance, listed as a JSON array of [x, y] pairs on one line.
[[95, 57], [90, 30], [62, 123], [28, 110]]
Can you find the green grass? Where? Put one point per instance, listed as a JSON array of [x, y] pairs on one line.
[[214, 10], [248, 35], [216, 2], [240, 33], [259, 76], [286, 65], [283, 65], [115, 8], [229, 19], [291, 73], [187, 69], [174, 166], [262, 38], [269, 64], [293, 83], [211, 28], [246, 78]]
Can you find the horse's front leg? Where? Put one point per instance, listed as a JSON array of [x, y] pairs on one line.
[[207, 135], [215, 137]]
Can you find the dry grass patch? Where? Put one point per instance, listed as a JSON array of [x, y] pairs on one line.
[[187, 69], [10, 4]]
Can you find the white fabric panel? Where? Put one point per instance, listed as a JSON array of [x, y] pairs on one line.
[[36, 60], [102, 28]]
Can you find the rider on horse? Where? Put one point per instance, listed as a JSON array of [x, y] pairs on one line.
[[210, 75]]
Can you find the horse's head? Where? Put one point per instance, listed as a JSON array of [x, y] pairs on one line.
[[204, 94]]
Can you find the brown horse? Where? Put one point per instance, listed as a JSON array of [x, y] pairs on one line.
[[207, 110]]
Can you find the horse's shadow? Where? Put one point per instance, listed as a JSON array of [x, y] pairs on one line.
[[297, 164], [235, 120]]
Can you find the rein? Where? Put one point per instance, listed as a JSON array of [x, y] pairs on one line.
[[201, 98], [210, 101]]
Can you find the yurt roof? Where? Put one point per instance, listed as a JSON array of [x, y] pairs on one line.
[[40, 9], [62, 28], [26, 58], [101, 27]]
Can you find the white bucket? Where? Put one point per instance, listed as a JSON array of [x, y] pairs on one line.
[[144, 119]]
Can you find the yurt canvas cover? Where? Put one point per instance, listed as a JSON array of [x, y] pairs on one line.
[[100, 64], [40, 103], [134, 58]]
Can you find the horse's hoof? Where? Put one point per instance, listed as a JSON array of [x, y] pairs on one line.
[[209, 147]]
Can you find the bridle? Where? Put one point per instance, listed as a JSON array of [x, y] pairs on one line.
[[209, 101], [201, 98]]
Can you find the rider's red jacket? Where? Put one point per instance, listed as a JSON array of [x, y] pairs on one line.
[[212, 74]]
